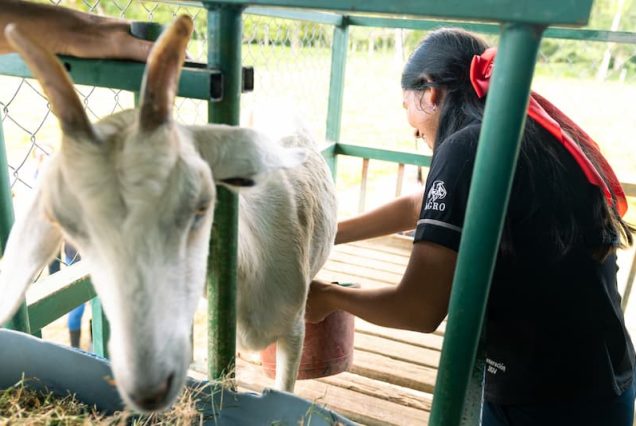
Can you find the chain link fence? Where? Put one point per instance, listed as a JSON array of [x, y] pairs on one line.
[[593, 82]]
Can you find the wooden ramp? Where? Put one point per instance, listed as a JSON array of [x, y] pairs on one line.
[[393, 374]]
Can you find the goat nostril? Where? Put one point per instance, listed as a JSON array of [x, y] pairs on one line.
[[155, 398]]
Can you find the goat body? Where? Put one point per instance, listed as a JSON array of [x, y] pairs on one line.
[[287, 226], [135, 193]]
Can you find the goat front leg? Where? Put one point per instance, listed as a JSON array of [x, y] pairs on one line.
[[288, 352]]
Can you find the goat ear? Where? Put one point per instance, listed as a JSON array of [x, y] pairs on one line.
[[55, 82], [32, 243], [242, 157], [159, 86]]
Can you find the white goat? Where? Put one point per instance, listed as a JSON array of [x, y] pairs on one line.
[[135, 193]]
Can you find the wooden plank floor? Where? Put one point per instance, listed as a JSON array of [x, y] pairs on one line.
[[393, 373]]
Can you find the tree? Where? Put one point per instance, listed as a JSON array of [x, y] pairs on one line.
[[603, 68]]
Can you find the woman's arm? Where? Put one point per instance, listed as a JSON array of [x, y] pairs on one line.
[[71, 32], [419, 302], [400, 214]]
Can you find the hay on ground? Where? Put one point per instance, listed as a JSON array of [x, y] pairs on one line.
[[21, 405]]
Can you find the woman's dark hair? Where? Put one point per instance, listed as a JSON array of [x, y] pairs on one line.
[[443, 60]]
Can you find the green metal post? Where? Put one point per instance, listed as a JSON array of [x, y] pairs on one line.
[[101, 329], [495, 163], [20, 320], [339, 52], [224, 53], [6, 198]]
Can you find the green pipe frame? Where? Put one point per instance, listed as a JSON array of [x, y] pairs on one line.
[[224, 53], [336, 88], [428, 24], [536, 12], [20, 320]]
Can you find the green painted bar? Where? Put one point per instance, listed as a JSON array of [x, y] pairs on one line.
[[329, 154], [195, 82], [552, 33], [339, 52], [221, 289], [495, 163], [591, 35], [420, 24], [101, 329], [20, 320], [548, 12], [329, 149], [624, 37], [6, 198], [59, 303], [297, 15], [224, 52], [383, 155]]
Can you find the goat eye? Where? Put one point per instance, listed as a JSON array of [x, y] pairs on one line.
[[199, 215]]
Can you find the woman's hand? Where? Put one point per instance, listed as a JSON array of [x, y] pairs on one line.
[[419, 302], [398, 215], [66, 31], [318, 305], [106, 38]]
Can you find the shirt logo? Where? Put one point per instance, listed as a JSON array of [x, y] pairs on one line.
[[437, 192], [493, 367]]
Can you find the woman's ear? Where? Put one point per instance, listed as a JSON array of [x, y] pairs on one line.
[[435, 97]]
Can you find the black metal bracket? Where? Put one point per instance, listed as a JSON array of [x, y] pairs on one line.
[[216, 79]]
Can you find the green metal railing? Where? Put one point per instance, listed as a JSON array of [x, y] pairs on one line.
[[522, 27], [224, 52], [21, 320]]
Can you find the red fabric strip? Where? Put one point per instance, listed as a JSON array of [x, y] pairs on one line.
[[551, 119]]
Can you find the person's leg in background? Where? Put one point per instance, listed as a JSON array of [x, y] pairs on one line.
[[54, 266], [75, 325], [75, 316]]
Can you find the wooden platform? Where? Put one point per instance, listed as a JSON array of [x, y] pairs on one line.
[[393, 375]]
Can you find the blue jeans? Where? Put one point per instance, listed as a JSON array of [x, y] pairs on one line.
[[75, 318], [613, 412]]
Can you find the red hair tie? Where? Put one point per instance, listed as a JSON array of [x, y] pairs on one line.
[[480, 73]]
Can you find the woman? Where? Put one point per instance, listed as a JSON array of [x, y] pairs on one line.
[[557, 348]]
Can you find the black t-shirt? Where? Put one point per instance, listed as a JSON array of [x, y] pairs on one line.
[[554, 327]]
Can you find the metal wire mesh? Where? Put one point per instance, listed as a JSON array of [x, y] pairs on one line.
[[292, 66]]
